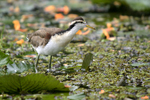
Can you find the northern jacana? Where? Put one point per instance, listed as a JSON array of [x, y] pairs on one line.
[[49, 41]]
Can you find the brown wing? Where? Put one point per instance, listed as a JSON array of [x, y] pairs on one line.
[[42, 36]]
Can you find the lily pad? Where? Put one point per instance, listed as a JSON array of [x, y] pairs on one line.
[[32, 83]]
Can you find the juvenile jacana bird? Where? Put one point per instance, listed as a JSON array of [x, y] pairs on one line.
[[49, 41]]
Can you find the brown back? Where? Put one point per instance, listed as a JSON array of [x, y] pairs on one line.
[[42, 36]]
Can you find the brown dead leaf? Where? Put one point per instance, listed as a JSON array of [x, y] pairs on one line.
[[101, 92]]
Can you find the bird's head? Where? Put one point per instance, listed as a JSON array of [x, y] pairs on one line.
[[80, 23]]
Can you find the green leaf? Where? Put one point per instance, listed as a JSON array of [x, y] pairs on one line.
[[32, 83], [139, 64], [77, 96], [4, 59], [19, 67], [87, 61]]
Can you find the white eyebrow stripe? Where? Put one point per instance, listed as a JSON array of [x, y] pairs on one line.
[[76, 21]]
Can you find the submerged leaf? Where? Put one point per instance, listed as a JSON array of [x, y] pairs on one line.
[[4, 59], [19, 67], [76, 96], [139, 64], [87, 61], [32, 83]]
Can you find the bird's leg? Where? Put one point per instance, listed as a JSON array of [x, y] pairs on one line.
[[37, 59], [49, 65]]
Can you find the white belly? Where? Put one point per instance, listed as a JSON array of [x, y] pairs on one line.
[[56, 44]]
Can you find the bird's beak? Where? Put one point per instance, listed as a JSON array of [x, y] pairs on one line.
[[90, 27]]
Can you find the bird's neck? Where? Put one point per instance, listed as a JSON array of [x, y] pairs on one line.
[[72, 30]]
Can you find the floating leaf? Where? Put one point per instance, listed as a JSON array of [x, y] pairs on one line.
[[19, 67], [139, 64], [76, 96], [87, 61], [4, 59], [16, 24], [50, 8], [32, 83], [59, 16], [66, 9], [17, 10], [72, 16], [145, 97], [79, 32], [101, 92], [20, 42]]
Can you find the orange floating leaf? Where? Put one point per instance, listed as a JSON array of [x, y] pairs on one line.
[[72, 16], [121, 17], [87, 32], [22, 30], [16, 24], [59, 16], [20, 42], [50, 8], [101, 92], [17, 10], [79, 32], [80, 45], [66, 9], [24, 17], [106, 33], [11, 9], [30, 56], [112, 96], [85, 28], [67, 86], [145, 97], [16, 39]]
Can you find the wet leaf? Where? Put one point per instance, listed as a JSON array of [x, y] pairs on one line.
[[59, 16], [76, 96], [87, 61], [4, 59], [145, 98], [20, 42], [139, 64], [101, 92], [32, 83], [50, 8], [16, 24], [19, 67]]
